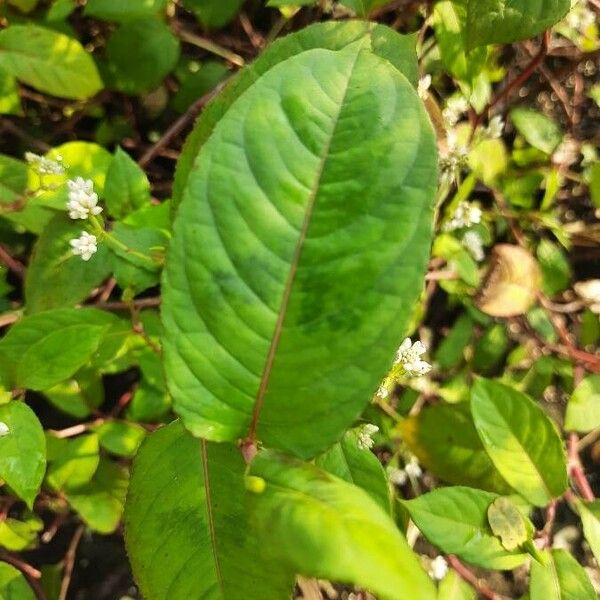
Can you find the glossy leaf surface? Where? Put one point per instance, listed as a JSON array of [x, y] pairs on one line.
[[284, 304], [186, 526], [325, 527]]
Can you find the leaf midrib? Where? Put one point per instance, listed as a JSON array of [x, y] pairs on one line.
[[264, 382]]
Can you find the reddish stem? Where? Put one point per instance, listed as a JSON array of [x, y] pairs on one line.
[[576, 470], [471, 578]]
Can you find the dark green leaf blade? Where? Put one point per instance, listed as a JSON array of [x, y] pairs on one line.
[[189, 539], [312, 267], [306, 517]]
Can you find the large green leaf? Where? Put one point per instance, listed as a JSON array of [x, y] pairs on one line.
[[445, 440], [348, 461], [13, 586], [398, 49], [561, 577], [284, 304], [505, 21], [583, 409], [186, 526], [55, 277], [22, 451], [48, 347], [363, 7], [49, 61], [521, 440], [325, 527], [455, 519]]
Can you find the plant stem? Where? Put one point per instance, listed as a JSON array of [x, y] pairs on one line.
[[471, 578]]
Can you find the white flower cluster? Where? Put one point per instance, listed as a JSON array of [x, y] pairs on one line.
[[454, 160], [495, 128], [412, 470], [4, 430], [438, 568], [43, 165], [365, 441], [456, 107], [83, 201], [85, 245], [465, 215], [382, 392], [409, 356], [474, 244], [423, 86]]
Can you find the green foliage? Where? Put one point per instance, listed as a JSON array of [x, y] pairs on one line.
[[221, 361], [456, 520], [521, 441], [187, 530], [48, 61], [22, 451], [140, 54], [300, 502], [499, 21], [287, 308], [583, 410]]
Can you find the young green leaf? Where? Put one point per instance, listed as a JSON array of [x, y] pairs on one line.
[[539, 130], [521, 441], [122, 439], [556, 271], [55, 278], [13, 180], [503, 22], [13, 586], [72, 463], [19, 535], [455, 519], [399, 50], [127, 188], [359, 466], [561, 577], [312, 266], [186, 527], [10, 101], [306, 517], [22, 450], [445, 440], [49, 61], [590, 519], [449, 21], [46, 348], [100, 502], [583, 409]]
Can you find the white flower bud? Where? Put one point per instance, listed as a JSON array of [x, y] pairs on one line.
[[4, 430], [85, 245], [43, 165], [82, 202], [438, 568], [465, 215], [474, 244], [409, 356], [365, 442], [423, 86]]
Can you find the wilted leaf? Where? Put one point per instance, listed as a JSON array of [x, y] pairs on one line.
[[511, 284]]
